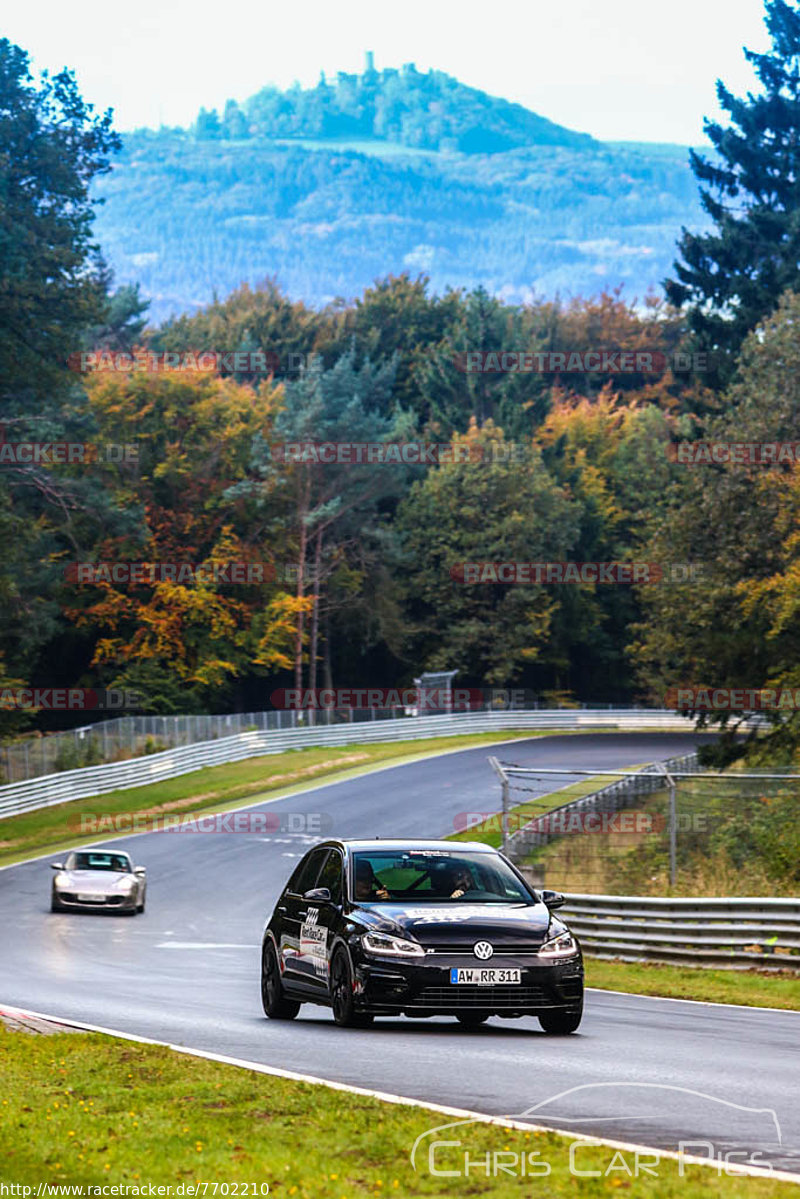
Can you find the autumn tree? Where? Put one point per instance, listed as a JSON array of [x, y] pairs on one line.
[[183, 644], [327, 505], [735, 624]]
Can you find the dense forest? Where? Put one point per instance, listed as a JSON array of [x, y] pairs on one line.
[[572, 462]]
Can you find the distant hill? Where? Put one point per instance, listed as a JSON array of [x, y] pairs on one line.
[[328, 188], [430, 111]]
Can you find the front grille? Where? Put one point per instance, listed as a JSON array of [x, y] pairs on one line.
[[98, 900], [460, 949], [482, 997]]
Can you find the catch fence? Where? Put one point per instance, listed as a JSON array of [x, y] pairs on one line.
[[669, 828]]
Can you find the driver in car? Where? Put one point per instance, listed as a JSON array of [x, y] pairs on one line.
[[368, 886], [457, 880]]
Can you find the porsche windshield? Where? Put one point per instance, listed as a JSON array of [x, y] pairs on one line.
[[435, 876], [100, 861]]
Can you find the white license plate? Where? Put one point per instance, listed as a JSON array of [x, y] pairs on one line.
[[484, 976], [91, 899]]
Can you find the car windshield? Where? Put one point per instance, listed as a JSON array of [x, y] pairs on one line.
[[100, 861], [435, 876]]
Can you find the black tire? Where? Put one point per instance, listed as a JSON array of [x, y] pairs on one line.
[[561, 1021], [55, 906], [472, 1019], [342, 1001], [273, 1000], [140, 907]]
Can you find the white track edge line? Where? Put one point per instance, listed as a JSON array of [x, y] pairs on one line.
[[401, 1100], [744, 1007]]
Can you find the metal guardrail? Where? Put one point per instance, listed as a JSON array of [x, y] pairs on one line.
[[723, 933], [123, 737], [137, 772]]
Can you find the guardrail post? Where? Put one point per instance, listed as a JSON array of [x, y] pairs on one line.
[[498, 769], [673, 824], [673, 834]]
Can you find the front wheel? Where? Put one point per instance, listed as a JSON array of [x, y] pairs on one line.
[[55, 906], [342, 1001], [275, 1004], [561, 1021]]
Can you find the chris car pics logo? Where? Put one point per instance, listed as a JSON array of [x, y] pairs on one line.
[[732, 1139]]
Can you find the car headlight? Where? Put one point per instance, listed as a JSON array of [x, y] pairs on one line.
[[60, 880], [396, 947], [126, 884], [562, 946]]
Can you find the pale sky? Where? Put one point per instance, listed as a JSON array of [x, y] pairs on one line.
[[634, 70]]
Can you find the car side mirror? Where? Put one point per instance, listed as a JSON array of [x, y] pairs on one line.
[[140, 870], [553, 899], [56, 865], [318, 895]]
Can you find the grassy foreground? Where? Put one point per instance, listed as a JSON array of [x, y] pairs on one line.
[[218, 788], [89, 1110]]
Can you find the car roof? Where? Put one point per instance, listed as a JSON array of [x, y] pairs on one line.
[[117, 853], [394, 844]]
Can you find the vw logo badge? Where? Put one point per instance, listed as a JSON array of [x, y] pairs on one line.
[[482, 950]]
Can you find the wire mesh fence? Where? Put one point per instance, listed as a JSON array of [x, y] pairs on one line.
[[137, 736], [670, 829]]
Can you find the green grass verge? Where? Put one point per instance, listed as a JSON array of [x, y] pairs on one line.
[[754, 988], [219, 788], [95, 1111]]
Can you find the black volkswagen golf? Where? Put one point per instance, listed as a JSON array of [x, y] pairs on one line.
[[421, 928]]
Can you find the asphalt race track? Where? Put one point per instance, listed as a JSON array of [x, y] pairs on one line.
[[654, 1072]]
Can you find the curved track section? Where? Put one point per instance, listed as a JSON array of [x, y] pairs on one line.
[[654, 1072]]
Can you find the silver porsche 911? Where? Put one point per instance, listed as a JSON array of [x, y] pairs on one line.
[[98, 879]]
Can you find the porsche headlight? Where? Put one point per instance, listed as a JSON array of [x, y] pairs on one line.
[[387, 945], [562, 946], [60, 880]]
